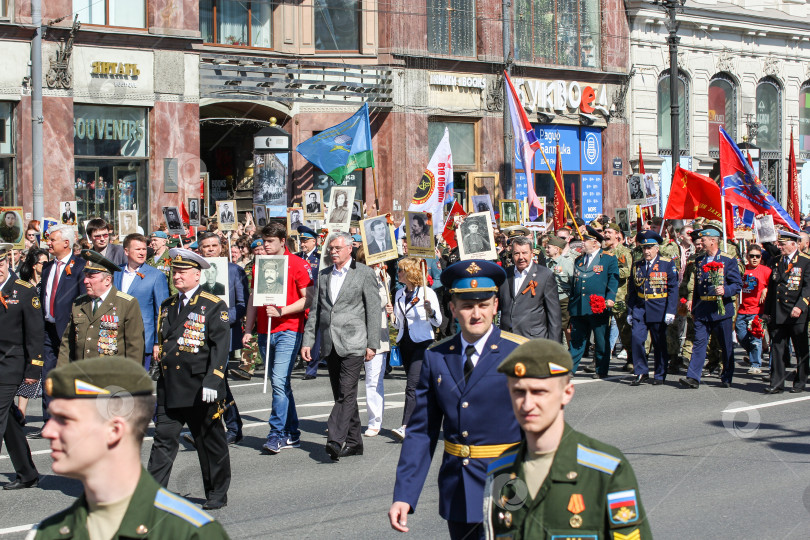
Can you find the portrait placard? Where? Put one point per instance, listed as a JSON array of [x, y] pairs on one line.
[[295, 219], [510, 214], [11, 228], [260, 215], [482, 203], [193, 212], [127, 223], [215, 279], [419, 238], [172, 216], [313, 204], [475, 238], [226, 215], [764, 229], [270, 282], [379, 241], [357, 213], [340, 209], [641, 190], [68, 213], [623, 220]]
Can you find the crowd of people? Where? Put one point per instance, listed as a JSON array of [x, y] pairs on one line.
[[677, 293]]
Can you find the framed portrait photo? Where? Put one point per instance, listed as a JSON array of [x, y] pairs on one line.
[[194, 213], [226, 214], [295, 219], [260, 215], [379, 241], [68, 213], [313, 204], [510, 212], [475, 238], [357, 213], [419, 237], [215, 279], [173, 221], [623, 220], [12, 226], [340, 209], [270, 282], [127, 223], [482, 203]]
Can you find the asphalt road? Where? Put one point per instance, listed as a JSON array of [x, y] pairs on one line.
[[711, 463]]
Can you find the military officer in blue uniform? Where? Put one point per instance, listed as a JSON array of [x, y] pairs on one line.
[[704, 301], [652, 298], [460, 389], [595, 273], [309, 252]]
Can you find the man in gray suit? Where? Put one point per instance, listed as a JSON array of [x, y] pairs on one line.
[[347, 312], [530, 303]]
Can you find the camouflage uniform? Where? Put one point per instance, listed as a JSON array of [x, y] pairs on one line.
[[625, 258]]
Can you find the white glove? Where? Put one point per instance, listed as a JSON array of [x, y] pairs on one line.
[[630, 321], [209, 395], [669, 318]]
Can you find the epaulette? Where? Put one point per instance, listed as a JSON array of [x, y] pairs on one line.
[[436, 344], [208, 296], [801, 254], [506, 460], [665, 259], [181, 508], [595, 459], [125, 296], [24, 284], [514, 338]]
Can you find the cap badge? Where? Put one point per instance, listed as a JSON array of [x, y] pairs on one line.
[[473, 269], [474, 283], [520, 369]]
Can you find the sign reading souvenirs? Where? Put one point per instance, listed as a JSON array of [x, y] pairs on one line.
[[562, 96]]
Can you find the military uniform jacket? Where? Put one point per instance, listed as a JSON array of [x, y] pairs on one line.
[[23, 327], [563, 268], [164, 264], [601, 278], [624, 258], [153, 513], [652, 294], [194, 348], [478, 412], [703, 295], [115, 329], [314, 261], [788, 287], [590, 493]]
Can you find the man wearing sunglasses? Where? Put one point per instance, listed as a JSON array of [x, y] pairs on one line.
[[98, 231]]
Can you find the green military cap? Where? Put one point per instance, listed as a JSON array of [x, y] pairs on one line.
[[96, 262], [5, 249], [614, 227], [557, 241], [103, 376], [538, 359]]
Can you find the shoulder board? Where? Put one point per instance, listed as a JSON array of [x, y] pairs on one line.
[[665, 259], [595, 459], [125, 296], [438, 343], [208, 296], [801, 254], [514, 337], [171, 503], [724, 254], [169, 300], [507, 459], [24, 284]]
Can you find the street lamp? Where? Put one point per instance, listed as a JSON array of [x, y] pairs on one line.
[[671, 7]]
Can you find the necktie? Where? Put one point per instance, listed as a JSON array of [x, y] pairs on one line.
[[54, 287], [182, 302], [96, 303], [468, 364]]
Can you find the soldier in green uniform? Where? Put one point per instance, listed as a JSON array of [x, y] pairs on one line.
[[614, 244], [563, 267], [105, 321], [678, 359], [557, 483], [101, 410], [159, 241]]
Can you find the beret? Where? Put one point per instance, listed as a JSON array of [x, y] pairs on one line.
[[537, 359], [103, 376]]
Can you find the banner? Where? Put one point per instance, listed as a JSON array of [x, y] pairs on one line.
[[432, 189], [693, 195], [526, 144], [449, 232], [793, 206]]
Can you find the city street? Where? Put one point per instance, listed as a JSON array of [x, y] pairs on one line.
[[711, 463]]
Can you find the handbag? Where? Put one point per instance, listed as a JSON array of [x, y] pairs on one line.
[[395, 358]]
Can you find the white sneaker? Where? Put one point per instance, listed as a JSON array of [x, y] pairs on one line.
[[622, 355], [399, 433], [754, 371], [371, 432]]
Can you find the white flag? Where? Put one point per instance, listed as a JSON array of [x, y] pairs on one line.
[[436, 184]]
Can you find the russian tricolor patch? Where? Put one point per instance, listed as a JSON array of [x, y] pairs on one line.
[[556, 369], [623, 507], [87, 389]]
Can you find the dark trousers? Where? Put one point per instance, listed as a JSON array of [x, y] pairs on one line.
[[233, 420], [723, 331], [212, 448], [16, 443], [312, 367], [412, 356], [781, 336], [460, 530], [658, 335], [344, 420], [581, 328], [50, 354]]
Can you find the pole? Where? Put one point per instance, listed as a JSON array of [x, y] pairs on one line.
[[376, 197], [560, 187], [267, 354], [507, 182], [723, 210], [674, 107], [36, 112]]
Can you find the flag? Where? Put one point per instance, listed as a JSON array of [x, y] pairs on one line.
[[559, 194], [640, 161], [183, 213], [339, 150], [693, 195], [449, 232], [526, 144], [432, 188], [742, 187], [793, 207]]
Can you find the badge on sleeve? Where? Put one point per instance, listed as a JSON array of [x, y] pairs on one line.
[[35, 302], [623, 507], [224, 316]]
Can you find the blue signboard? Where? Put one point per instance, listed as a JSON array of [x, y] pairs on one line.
[[568, 139], [591, 149], [591, 196], [521, 188]]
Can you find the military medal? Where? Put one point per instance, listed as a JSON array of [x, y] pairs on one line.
[[575, 521], [507, 519]]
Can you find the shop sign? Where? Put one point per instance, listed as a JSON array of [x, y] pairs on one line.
[[562, 96], [109, 131], [115, 68], [458, 81]]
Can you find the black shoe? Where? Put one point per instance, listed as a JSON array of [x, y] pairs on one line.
[[356, 450], [796, 390], [334, 449], [17, 484], [628, 367], [308, 377], [35, 435], [598, 376], [689, 382], [232, 438], [189, 439], [656, 382], [673, 369], [240, 373], [214, 505], [589, 369], [725, 385], [772, 390], [766, 378], [639, 379]]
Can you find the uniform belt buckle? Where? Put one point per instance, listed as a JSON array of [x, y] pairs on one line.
[[464, 451]]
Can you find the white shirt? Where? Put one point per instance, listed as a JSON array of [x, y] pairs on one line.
[[187, 296], [338, 277], [479, 347], [520, 277], [128, 277], [51, 277], [8, 277], [103, 296]]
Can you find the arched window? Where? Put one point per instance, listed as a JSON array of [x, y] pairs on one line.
[[804, 120], [664, 118], [769, 115], [722, 109]]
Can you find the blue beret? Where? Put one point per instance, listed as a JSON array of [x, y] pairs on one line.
[[474, 279], [712, 233], [256, 243], [160, 234], [357, 238]]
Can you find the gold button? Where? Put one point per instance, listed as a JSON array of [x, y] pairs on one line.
[[141, 529], [465, 461], [177, 354], [465, 405], [64, 529], [88, 339], [571, 475], [452, 347], [178, 367], [493, 346], [464, 433], [464, 451]]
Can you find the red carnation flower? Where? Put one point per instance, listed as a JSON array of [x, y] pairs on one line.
[[597, 304], [756, 328]]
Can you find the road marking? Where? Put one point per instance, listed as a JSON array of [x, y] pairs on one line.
[[766, 405], [21, 528], [588, 381]]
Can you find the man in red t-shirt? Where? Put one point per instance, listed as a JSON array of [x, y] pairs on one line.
[[285, 336], [755, 283]]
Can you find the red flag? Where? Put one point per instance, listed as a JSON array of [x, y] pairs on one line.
[[573, 199], [183, 213], [449, 232], [693, 195], [640, 161], [559, 194], [793, 208]]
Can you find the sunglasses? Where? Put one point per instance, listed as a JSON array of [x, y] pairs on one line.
[[751, 256]]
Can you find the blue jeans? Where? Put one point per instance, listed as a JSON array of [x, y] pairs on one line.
[[751, 344], [284, 348]]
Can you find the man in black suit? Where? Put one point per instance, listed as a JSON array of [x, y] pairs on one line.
[[226, 215], [62, 282], [529, 301], [313, 205], [68, 216], [380, 240], [192, 210], [99, 232]]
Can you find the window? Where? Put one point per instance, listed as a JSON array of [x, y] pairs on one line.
[[769, 115], [337, 25], [664, 118], [561, 32], [722, 109], [451, 27], [804, 120], [124, 13], [7, 186], [462, 141], [231, 22]]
